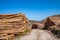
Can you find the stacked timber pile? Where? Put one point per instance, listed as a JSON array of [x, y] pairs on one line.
[[12, 21], [12, 24], [52, 23]]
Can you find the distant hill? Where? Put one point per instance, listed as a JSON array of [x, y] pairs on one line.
[[34, 21]]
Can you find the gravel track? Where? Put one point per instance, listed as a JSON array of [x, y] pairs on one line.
[[37, 34]]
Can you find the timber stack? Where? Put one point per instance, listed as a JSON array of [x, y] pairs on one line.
[[12, 24]]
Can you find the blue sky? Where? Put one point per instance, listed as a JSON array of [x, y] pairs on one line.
[[33, 9]]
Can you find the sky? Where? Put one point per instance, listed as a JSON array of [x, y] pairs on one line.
[[33, 9]]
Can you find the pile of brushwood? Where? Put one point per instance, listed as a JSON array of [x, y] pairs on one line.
[[56, 32]]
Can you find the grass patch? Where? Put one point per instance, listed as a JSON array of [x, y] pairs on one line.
[[24, 33], [27, 30]]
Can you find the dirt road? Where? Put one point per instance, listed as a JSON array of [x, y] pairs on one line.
[[37, 34]]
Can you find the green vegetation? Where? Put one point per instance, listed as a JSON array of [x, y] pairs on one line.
[[27, 30], [24, 33]]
